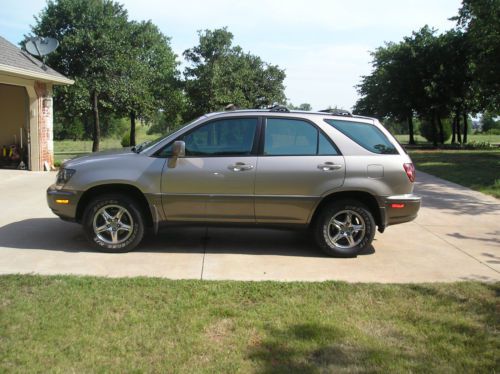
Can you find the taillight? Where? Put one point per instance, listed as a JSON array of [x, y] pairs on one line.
[[410, 171]]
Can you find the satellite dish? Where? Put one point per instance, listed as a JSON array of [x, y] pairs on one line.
[[39, 46]]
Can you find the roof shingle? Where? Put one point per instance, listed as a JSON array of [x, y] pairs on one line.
[[11, 55]]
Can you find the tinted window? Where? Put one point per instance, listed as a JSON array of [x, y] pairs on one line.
[[325, 147], [366, 135], [295, 137], [223, 137]]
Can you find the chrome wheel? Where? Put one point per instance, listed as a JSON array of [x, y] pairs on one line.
[[113, 224], [346, 229]]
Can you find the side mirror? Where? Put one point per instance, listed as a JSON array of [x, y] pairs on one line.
[[178, 150]]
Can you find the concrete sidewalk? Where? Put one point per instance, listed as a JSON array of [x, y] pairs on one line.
[[456, 237]]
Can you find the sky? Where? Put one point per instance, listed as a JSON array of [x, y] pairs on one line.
[[323, 45]]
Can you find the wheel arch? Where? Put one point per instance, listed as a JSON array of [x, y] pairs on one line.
[[115, 188], [362, 196]]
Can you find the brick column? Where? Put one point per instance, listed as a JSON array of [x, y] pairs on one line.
[[45, 125]]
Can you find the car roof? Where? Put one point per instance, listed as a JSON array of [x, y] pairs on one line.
[[288, 113]]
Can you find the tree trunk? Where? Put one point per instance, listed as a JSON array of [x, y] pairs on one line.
[[434, 132], [96, 134], [132, 128], [466, 125], [457, 118], [441, 130], [410, 130], [453, 130]]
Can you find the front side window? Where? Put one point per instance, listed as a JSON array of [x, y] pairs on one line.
[[225, 137], [291, 137], [365, 134]]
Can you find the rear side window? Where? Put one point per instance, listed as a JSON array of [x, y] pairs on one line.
[[290, 137], [366, 135]]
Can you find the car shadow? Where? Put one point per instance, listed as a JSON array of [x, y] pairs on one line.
[[56, 235]]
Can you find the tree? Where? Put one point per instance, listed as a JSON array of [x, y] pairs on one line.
[[92, 37], [148, 75], [304, 106], [490, 121], [480, 21], [424, 75], [220, 74], [391, 89]]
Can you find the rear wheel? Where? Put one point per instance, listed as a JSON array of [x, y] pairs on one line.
[[114, 223], [344, 228]]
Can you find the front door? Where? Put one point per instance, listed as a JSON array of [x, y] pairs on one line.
[[297, 166], [215, 180]]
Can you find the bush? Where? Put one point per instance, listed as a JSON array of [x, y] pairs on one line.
[[126, 140], [490, 122], [73, 129], [427, 133]]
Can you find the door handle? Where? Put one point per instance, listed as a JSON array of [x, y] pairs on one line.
[[329, 166], [240, 166]]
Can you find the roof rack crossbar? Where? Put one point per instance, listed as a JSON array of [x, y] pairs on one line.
[[337, 112], [279, 108]]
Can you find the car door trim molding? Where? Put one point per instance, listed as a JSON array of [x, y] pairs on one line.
[[242, 195]]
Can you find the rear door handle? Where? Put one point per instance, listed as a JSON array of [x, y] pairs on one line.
[[240, 166], [329, 166]]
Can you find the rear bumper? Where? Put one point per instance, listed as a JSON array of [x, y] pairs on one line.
[[63, 203], [399, 209]]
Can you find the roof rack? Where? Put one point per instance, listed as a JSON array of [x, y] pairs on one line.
[[337, 112], [279, 108], [230, 107]]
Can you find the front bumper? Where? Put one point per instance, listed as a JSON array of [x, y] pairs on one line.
[[63, 203], [399, 209]]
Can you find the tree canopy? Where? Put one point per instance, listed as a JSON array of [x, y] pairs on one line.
[[438, 76], [220, 74], [120, 67], [126, 68]]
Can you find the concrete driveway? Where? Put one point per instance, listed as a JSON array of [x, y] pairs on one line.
[[456, 237]]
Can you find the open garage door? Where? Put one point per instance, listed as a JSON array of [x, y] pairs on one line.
[[14, 127]]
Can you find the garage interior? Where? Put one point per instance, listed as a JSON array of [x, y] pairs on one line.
[[14, 127]]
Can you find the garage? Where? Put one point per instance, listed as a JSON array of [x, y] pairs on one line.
[[26, 115]]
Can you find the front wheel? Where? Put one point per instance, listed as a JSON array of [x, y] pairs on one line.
[[344, 228], [114, 223]]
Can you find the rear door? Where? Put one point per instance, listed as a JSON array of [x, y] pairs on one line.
[[297, 164]]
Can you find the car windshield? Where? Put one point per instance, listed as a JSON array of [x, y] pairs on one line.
[[151, 143]]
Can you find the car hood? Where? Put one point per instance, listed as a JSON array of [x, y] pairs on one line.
[[122, 153]]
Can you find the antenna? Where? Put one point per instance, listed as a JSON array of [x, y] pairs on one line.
[[41, 47]]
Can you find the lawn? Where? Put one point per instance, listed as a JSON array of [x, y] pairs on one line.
[[479, 170], [67, 149], [85, 324], [476, 138]]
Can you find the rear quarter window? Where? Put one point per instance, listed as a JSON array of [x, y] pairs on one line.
[[366, 135]]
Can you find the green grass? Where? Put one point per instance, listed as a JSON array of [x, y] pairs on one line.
[[479, 170], [84, 324], [477, 138], [67, 149]]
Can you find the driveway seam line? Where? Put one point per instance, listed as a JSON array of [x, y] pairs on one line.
[[458, 248], [205, 241]]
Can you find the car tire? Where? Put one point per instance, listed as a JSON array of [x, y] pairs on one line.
[[114, 223], [340, 236]]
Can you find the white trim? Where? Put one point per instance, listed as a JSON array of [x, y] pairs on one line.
[[34, 75]]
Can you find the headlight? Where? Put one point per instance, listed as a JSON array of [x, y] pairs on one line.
[[64, 175]]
